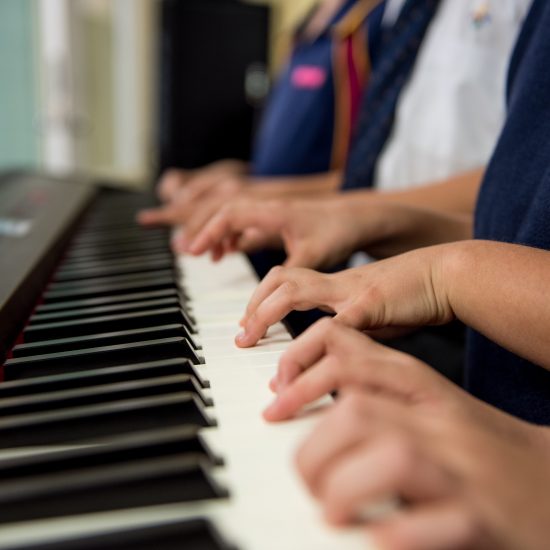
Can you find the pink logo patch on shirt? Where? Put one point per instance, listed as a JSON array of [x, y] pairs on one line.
[[309, 77]]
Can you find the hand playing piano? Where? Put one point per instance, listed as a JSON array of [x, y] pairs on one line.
[[408, 290], [192, 197], [314, 233], [467, 474], [173, 180], [192, 205], [330, 356]]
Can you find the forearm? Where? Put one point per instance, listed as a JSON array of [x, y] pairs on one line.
[[295, 186], [386, 229], [457, 194], [500, 290]]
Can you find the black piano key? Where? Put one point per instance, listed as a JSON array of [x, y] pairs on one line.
[[102, 394], [100, 357], [100, 421], [194, 534], [103, 219], [112, 204], [105, 323], [108, 222], [175, 479], [74, 380], [109, 280], [104, 228], [79, 253], [124, 244], [77, 305], [126, 448], [105, 224], [80, 313], [95, 263], [116, 268], [102, 339], [145, 236], [143, 284], [131, 232]]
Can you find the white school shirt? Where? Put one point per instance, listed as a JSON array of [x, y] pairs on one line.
[[452, 109]]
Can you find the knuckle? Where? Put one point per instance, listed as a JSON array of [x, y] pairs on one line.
[[372, 300], [256, 323], [331, 331], [276, 273], [326, 326], [372, 294], [403, 455], [335, 330], [352, 406], [254, 319], [290, 289], [354, 403]]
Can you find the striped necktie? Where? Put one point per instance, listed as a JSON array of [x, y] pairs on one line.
[[396, 57]]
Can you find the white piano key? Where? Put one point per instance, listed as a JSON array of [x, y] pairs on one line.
[[269, 507]]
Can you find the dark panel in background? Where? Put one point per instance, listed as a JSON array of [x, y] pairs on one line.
[[207, 48]]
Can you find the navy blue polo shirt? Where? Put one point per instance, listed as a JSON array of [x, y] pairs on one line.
[[298, 133], [514, 207]]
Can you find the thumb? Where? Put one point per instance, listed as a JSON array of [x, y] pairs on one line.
[[355, 315], [299, 254], [296, 259]]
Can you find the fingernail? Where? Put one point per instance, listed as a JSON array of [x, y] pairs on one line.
[[270, 411], [192, 247], [241, 337]]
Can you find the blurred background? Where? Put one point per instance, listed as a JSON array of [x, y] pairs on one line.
[[123, 88]]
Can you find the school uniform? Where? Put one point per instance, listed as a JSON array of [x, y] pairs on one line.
[[311, 112], [451, 112], [514, 207], [401, 34]]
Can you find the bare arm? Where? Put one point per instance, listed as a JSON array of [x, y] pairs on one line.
[[294, 186], [390, 223], [501, 290], [457, 194], [385, 228]]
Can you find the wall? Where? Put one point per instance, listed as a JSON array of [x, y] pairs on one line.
[[18, 112], [109, 139]]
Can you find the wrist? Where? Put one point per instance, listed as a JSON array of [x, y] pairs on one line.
[[350, 212], [375, 221], [454, 267], [258, 188]]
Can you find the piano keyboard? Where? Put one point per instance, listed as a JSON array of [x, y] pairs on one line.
[[128, 417]]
